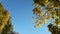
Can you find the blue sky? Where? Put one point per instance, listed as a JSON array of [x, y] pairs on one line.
[[21, 13]]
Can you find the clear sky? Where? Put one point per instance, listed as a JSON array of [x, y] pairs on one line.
[[21, 12]]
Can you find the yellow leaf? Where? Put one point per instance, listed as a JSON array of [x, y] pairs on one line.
[[41, 14], [46, 0], [45, 21], [36, 4], [40, 25], [54, 16], [48, 18]]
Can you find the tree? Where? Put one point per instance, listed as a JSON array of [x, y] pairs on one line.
[[6, 26], [46, 10]]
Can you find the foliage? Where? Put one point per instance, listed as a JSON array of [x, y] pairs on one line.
[[46, 10], [6, 26]]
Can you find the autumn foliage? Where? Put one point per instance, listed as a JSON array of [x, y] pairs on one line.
[[6, 26], [46, 10]]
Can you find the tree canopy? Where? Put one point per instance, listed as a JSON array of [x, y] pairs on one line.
[[6, 26], [46, 10]]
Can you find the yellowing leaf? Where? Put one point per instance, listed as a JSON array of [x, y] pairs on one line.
[[54, 16], [48, 18], [45, 21], [36, 4], [40, 25], [41, 14]]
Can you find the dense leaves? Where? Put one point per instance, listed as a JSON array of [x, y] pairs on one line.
[[6, 26], [46, 10], [54, 29]]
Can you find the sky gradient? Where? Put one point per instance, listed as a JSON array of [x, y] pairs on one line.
[[21, 13]]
